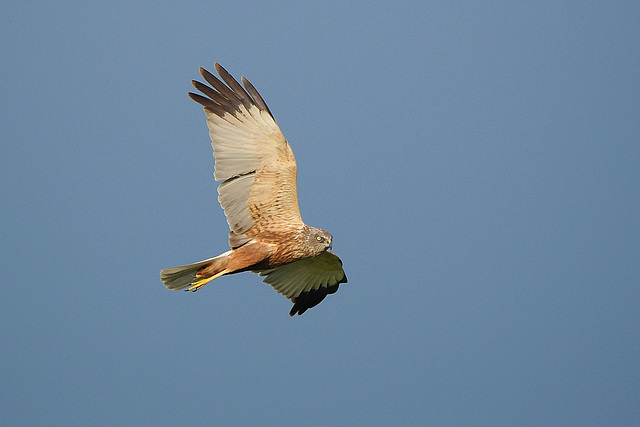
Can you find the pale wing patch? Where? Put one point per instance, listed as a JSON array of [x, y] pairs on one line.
[[233, 195], [306, 275], [246, 149], [242, 145]]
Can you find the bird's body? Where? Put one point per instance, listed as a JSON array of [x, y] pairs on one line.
[[259, 196]]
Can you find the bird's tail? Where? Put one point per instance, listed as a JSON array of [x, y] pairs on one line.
[[195, 275]]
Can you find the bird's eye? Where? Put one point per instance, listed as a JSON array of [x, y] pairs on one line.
[[319, 238]]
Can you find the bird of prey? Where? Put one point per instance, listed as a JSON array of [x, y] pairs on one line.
[[259, 196]]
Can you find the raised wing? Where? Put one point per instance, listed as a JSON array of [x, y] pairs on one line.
[[253, 159], [307, 281]]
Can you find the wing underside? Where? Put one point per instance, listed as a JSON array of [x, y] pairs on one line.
[[253, 159], [308, 281]]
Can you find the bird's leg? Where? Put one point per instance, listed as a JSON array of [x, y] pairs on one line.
[[200, 283]]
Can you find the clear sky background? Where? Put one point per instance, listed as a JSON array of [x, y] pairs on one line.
[[478, 165]]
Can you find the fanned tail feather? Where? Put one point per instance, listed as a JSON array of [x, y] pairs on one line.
[[177, 278]]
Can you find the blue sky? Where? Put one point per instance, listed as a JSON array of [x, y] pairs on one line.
[[477, 165]]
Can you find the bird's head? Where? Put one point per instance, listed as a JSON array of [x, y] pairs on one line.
[[319, 240]]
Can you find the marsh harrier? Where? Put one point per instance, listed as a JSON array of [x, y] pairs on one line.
[[258, 194]]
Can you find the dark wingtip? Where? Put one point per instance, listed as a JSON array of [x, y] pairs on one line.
[[220, 69], [207, 103], [310, 299]]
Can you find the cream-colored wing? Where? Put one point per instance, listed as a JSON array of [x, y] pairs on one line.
[[253, 159], [307, 281]]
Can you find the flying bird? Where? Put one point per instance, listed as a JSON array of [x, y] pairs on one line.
[[259, 196]]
